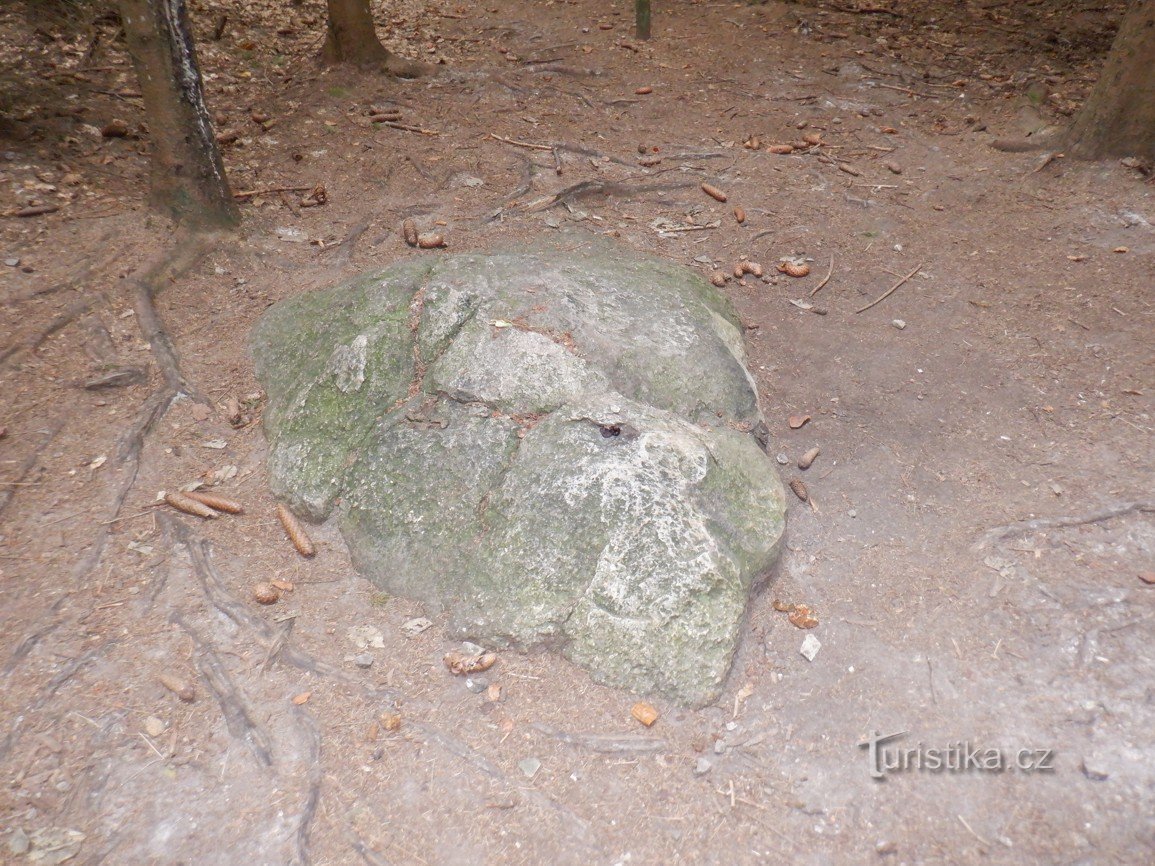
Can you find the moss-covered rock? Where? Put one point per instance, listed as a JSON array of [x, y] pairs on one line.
[[557, 447]]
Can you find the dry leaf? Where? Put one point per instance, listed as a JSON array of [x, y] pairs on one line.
[[803, 617], [796, 421], [391, 721], [493, 693]]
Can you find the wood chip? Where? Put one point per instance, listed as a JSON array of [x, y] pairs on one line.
[[644, 713], [713, 192], [796, 421]]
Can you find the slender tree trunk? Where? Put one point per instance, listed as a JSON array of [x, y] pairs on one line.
[[351, 38], [188, 178], [1118, 118], [642, 18]]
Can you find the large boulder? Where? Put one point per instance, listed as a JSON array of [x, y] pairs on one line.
[[557, 447]]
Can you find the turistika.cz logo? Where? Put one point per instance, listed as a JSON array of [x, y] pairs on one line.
[[960, 757]]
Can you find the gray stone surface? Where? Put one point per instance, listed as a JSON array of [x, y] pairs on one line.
[[556, 447]]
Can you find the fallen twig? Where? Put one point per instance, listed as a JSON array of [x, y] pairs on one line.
[[405, 127], [825, 279], [611, 744], [528, 144], [889, 291], [1022, 527], [250, 193]]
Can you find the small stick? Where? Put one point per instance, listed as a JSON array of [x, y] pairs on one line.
[[556, 161], [528, 144], [825, 279], [249, 193], [889, 291], [33, 210], [404, 127]]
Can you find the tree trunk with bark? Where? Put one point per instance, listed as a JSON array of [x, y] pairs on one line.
[[1118, 118], [351, 38], [187, 175]]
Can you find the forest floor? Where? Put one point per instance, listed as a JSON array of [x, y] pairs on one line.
[[978, 548]]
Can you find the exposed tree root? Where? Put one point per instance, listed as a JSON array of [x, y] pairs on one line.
[[1022, 527], [238, 714], [70, 315], [609, 744], [29, 463], [313, 790], [48, 691]]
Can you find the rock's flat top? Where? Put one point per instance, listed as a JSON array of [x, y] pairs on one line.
[[554, 446]]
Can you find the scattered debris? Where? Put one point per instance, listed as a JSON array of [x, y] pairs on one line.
[[460, 662], [416, 626], [366, 637], [810, 647]]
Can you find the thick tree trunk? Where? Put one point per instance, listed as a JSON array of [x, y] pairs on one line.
[[351, 38], [1119, 116], [188, 177]]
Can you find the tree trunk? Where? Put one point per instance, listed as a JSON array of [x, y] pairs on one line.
[[188, 178], [351, 38], [1118, 118]]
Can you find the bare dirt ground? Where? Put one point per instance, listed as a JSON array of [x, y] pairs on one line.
[[981, 515]]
